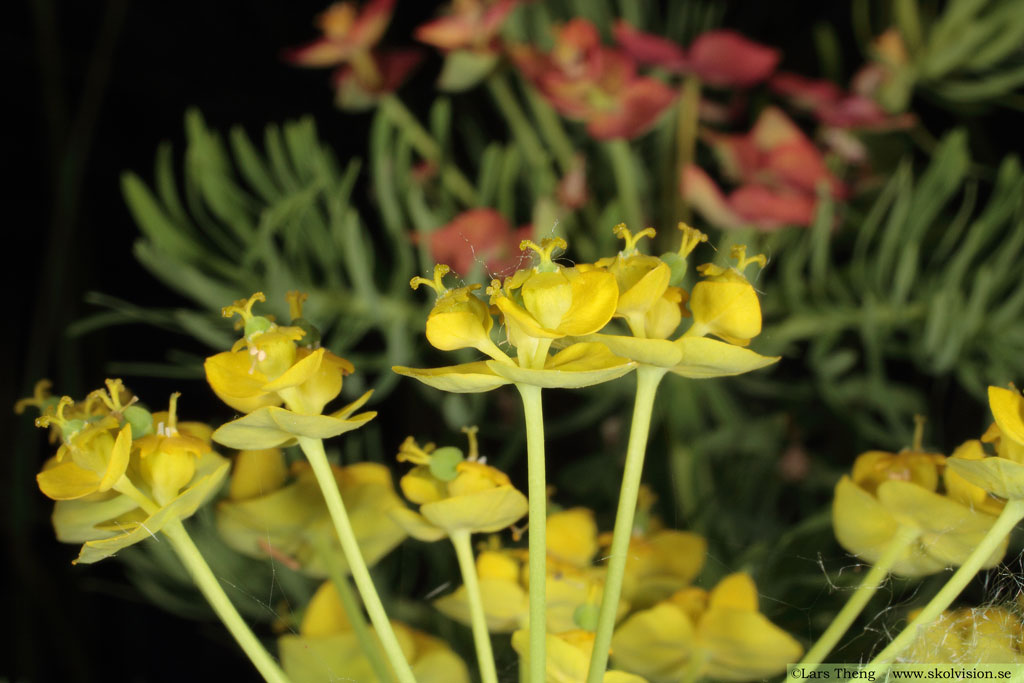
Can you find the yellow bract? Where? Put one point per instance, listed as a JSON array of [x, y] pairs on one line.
[[696, 634], [1002, 476], [326, 648], [267, 516], [568, 657], [891, 490], [724, 303]]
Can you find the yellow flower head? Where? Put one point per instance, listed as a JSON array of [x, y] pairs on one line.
[[326, 645], [1002, 476], [123, 473], [888, 492], [695, 634], [973, 635], [724, 303], [281, 515], [455, 493], [568, 657], [459, 319]]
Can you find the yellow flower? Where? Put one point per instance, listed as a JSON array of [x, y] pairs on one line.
[[574, 584], [266, 516], [327, 649], [455, 493], [272, 365], [977, 635], [697, 634], [724, 304], [568, 657], [891, 490], [114, 491], [1002, 475], [538, 305]]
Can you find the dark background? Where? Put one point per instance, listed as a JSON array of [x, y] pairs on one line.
[[94, 87]]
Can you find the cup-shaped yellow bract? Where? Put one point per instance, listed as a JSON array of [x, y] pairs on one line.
[[888, 491], [696, 634], [114, 490], [454, 493], [568, 657], [573, 581], [724, 303], [1002, 476], [273, 365], [327, 648], [266, 515], [537, 306], [970, 636]]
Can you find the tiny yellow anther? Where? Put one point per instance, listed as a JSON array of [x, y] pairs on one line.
[[40, 393], [410, 451], [691, 238], [918, 443], [295, 298], [243, 307], [623, 233], [739, 252], [474, 449], [545, 247], [440, 270]]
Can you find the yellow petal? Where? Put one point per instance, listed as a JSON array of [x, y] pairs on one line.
[[548, 298], [485, 511], [963, 491], [77, 521], [229, 377], [660, 352], [656, 643], [736, 591], [572, 536], [324, 614], [118, 462], [1004, 478], [506, 605], [271, 427], [727, 308], [257, 473], [1008, 409], [420, 486], [744, 646], [67, 481], [578, 365], [594, 298], [704, 358], [416, 525], [468, 378], [641, 296], [519, 322], [298, 373], [167, 473]]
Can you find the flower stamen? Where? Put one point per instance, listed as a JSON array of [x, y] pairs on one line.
[[691, 238], [623, 233], [440, 270]]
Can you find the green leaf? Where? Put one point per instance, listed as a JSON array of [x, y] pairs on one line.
[[464, 69]]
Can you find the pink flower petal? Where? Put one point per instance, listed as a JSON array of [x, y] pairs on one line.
[[642, 102], [447, 33], [699, 190], [647, 48], [728, 60], [477, 235], [769, 209]]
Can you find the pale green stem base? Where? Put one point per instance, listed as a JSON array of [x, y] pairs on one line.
[[856, 603], [314, 450], [647, 379], [218, 599], [538, 499], [425, 144], [1007, 520], [625, 178], [481, 637], [357, 620]]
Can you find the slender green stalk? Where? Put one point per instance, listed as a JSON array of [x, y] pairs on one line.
[[551, 129], [647, 379], [905, 535], [538, 498], [481, 637], [357, 620], [425, 144], [686, 139], [218, 599], [1007, 520], [523, 131], [314, 450], [625, 177]]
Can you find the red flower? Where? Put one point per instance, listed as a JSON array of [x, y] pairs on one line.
[[834, 107], [587, 81], [358, 87], [473, 24], [724, 58], [479, 235], [749, 205], [347, 33]]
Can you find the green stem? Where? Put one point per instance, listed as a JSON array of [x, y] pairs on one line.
[[686, 139], [314, 450], [647, 379], [625, 177], [538, 498], [425, 144], [551, 128], [218, 599], [904, 536], [481, 638], [522, 131], [1012, 513], [357, 620]]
